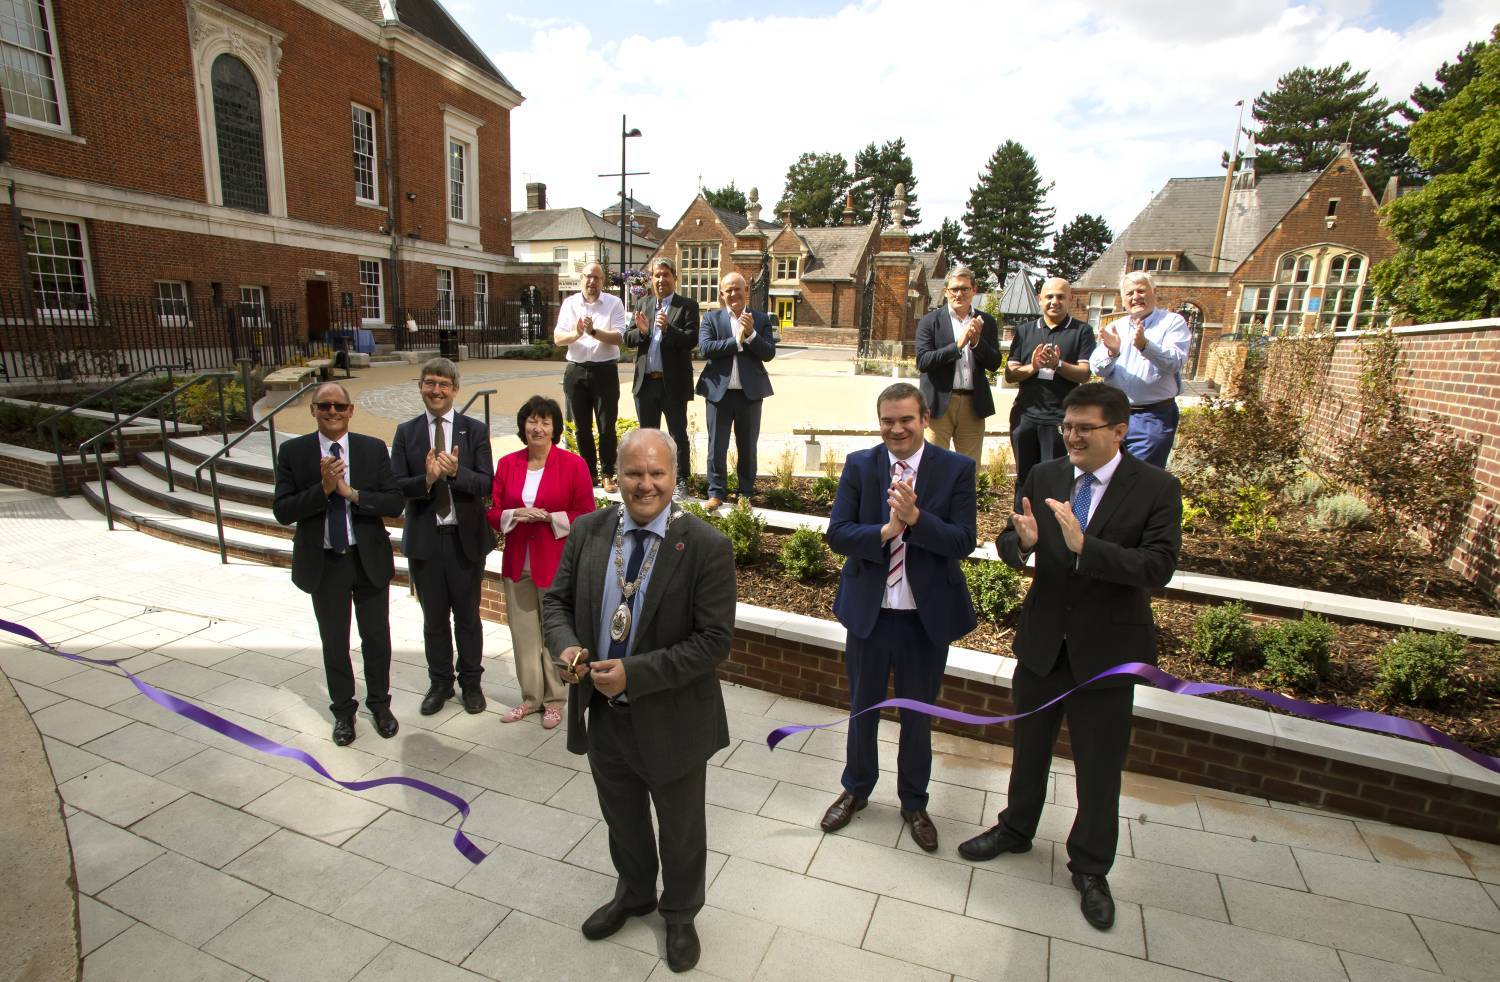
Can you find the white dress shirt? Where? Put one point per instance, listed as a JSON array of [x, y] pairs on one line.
[[739, 345], [1148, 376], [899, 597], [323, 447], [1102, 477], [607, 312], [963, 369], [452, 517]]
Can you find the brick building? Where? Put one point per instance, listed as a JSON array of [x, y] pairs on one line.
[[1294, 254], [572, 238], [351, 157], [842, 285]]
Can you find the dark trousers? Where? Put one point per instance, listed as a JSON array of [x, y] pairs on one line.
[[626, 797], [1033, 442], [448, 583], [593, 393], [1099, 734], [651, 403], [1152, 433], [898, 642], [344, 584], [744, 415]]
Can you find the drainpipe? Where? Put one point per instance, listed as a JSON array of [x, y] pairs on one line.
[[20, 232], [391, 201]]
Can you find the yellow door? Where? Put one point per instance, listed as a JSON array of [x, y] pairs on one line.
[[786, 310]]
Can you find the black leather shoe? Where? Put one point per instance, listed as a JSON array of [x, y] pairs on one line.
[[611, 917], [473, 699], [385, 722], [1097, 904], [923, 832], [682, 946], [437, 694], [343, 731], [988, 845], [841, 811]]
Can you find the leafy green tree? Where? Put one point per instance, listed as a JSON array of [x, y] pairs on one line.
[[815, 189], [1007, 219], [949, 236], [1314, 111], [888, 165], [728, 197], [1450, 78], [1078, 244], [1447, 232]]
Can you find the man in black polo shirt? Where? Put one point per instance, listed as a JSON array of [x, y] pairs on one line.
[[1047, 359]]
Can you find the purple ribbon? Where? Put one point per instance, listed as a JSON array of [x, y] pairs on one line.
[[1357, 718], [255, 741]]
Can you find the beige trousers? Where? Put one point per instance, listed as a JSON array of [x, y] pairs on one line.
[[534, 669], [960, 427]]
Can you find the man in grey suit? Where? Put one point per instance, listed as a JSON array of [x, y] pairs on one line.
[[956, 345], [736, 342], [641, 613], [665, 333], [442, 464]]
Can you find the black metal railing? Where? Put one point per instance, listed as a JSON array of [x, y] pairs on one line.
[[109, 336], [53, 423], [481, 394], [484, 329], [96, 442]]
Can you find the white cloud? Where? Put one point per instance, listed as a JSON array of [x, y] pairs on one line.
[[1111, 102]]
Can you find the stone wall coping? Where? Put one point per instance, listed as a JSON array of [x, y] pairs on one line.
[[188, 429], [46, 457], [1446, 327], [1342, 743]]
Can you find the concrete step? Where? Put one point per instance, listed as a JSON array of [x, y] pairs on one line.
[[232, 487]]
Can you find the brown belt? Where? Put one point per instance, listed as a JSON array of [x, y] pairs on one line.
[[655, 375], [963, 392]]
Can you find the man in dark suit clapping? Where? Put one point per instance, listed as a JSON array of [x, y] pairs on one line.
[[1105, 529], [956, 345], [665, 332], [337, 487], [442, 464], [737, 342]]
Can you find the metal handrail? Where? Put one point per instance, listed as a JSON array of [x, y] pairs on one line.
[[55, 420], [486, 393], [212, 463], [95, 442]]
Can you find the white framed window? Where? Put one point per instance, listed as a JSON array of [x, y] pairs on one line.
[[253, 305], [1100, 305], [58, 259], [171, 303], [698, 269], [481, 299], [560, 254], [786, 267], [460, 149], [458, 188], [30, 69], [1151, 264], [366, 189], [371, 292], [444, 296]]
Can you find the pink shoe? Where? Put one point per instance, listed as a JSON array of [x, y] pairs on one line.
[[551, 717], [517, 714]]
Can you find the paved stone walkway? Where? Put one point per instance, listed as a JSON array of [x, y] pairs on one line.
[[198, 859]]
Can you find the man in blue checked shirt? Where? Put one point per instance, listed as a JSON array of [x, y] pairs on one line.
[[1142, 355]]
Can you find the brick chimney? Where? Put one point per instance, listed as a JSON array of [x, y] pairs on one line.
[[536, 196], [848, 213]]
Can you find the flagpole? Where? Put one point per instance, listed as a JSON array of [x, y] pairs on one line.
[[1234, 155]]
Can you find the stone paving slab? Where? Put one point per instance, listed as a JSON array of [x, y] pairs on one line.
[[199, 859]]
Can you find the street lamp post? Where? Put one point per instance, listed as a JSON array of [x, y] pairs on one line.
[[625, 134]]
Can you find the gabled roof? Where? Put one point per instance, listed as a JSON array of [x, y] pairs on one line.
[[635, 206], [1184, 216], [429, 19], [1019, 300], [554, 224], [736, 221], [836, 251]]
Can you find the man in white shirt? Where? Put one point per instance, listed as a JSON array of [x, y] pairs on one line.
[[735, 343], [1142, 355], [591, 323]]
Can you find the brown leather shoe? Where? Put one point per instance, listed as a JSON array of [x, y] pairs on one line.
[[713, 503], [923, 832], [841, 811]]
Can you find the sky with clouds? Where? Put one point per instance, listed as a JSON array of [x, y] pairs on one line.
[[1112, 99]]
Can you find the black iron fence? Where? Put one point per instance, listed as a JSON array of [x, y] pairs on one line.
[[483, 329], [111, 336]]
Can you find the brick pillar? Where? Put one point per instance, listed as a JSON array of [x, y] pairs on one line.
[[892, 321]]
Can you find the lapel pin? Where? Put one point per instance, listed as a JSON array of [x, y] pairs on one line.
[[680, 547]]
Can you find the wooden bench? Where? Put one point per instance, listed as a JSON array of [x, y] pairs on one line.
[[812, 456], [290, 379]]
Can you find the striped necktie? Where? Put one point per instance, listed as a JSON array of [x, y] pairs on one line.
[[897, 566]]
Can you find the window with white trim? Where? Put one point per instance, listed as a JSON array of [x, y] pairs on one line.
[[560, 254], [365, 188], [171, 303], [698, 268], [253, 305], [30, 69], [458, 160], [444, 296], [1100, 304], [1324, 288], [786, 267], [371, 292], [240, 138], [481, 299], [57, 257], [1151, 264]]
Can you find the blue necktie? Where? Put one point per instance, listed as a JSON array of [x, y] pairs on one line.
[[1083, 499], [638, 538], [338, 510]]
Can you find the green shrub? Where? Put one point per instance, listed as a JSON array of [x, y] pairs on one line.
[[1193, 516], [825, 489], [781, 499], [1252, 516], [698, 511], [994, 587], [743, 530], [200, 405], [783, 474], [1341, 511], [1296, 652], [624, 424], [804, 555], [1306, 489], [1420, 667], [1222, 635], [601, 503]]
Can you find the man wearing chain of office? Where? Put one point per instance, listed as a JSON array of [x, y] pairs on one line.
[[639, 617]]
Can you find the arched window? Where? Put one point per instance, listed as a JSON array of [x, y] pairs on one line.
[[1346, 302], [237, 124]]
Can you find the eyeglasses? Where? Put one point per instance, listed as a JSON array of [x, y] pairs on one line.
[[332, 407], [1068, 429], [441, 385], [960, 289]]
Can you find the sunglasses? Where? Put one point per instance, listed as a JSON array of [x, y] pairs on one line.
[[332, 407]]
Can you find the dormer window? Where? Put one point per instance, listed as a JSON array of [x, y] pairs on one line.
[[787, 267]]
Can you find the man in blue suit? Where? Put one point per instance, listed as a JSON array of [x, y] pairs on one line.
[[737, 342], [904, 517]]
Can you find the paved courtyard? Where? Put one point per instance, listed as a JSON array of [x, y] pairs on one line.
[[198, 859]]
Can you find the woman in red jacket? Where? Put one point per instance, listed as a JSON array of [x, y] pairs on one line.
[[538, 493]]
